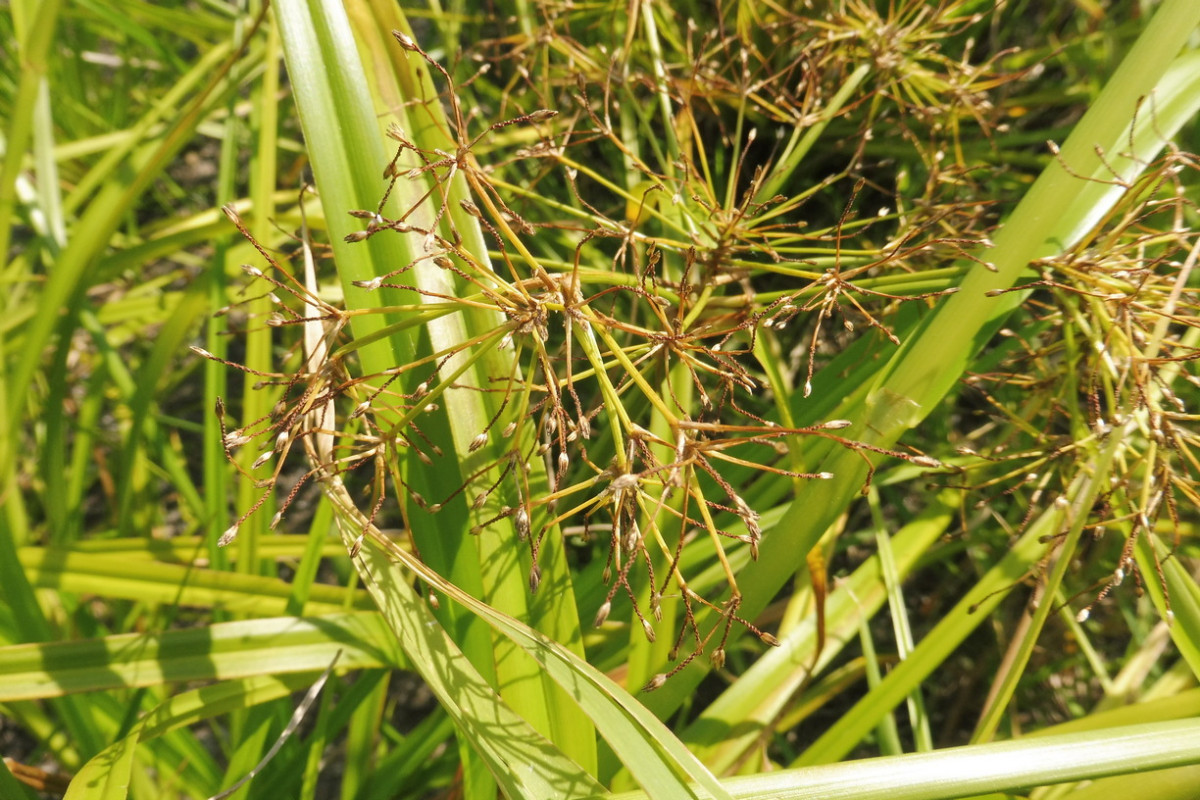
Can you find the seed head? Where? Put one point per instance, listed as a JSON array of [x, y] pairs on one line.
[[235, 439], [229, 535], [655, 683], [630, 540], [405, 41]]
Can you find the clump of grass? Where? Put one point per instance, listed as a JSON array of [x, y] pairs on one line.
[[1111, 331], [656, 349], [636, 354]]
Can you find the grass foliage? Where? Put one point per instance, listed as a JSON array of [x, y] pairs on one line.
[[600, 399]]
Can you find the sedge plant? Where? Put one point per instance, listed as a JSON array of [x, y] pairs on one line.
[[607, 336]]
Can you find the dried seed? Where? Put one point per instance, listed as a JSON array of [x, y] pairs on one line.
[[405, 41], [655, 683], [235, 439], [229, 535]]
